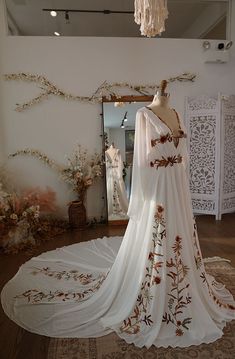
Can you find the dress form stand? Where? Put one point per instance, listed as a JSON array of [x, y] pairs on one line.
[[160, 107]]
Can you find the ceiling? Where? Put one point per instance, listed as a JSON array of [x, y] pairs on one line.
[[26, 18]]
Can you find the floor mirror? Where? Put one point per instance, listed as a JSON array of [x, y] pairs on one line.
[[119, 116]]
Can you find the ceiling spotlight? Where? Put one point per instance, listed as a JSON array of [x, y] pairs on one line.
[[206, 45], [56, 33], [53, 13], [125, 117], [67, 17], [122, 125], [228, 45]]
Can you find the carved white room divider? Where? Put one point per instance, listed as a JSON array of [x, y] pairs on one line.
[[210, 122]]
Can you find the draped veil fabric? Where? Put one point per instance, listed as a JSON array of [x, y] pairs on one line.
[[150, 286]]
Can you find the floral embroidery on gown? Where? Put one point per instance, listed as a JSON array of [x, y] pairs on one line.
[[116, 191], [150, 286]]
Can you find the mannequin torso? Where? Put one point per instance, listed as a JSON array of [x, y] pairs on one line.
[[111, 150], [160, 107]]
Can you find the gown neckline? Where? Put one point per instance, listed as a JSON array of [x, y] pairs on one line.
[[160, 119]]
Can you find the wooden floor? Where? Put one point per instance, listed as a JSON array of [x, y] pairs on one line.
[[217, 238]]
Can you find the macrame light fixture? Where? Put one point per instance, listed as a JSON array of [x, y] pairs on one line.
[[151, 16]]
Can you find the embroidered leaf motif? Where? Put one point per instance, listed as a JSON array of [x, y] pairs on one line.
[[140, 315], [176, 301], [75, 275], [168, 137], [166, 161], [35, 296]]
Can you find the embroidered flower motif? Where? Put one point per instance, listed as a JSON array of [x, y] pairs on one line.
[[159, 213], [160, 209], [179, 332], [157, 280]]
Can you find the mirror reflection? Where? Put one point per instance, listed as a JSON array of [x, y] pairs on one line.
[[119, 133]]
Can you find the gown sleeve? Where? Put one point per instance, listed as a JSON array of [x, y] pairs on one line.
[[185, 154], [185, 157], [140, 167]]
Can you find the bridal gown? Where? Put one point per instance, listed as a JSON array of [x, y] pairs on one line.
[[150, 286], [116, 191]]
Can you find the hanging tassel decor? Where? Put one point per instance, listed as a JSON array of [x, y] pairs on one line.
[[151, 16]]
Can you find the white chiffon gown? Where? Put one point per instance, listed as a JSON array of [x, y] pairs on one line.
[[116, 191], [150, 287]]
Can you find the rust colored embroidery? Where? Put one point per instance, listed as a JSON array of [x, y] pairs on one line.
[[179, 297], [169, 137], [161, 139], [35, 296], [203, 276], [66, 275], [152, 277], [116, 200], [166, 161]]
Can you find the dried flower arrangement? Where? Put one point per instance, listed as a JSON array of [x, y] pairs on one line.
[[82, 170], [25, 218]]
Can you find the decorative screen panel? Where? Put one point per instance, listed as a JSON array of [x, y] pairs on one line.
[[202, 154], [202, 124], [211, 145], [229, 154]]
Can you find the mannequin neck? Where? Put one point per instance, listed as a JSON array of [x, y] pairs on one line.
[[160, 101], [111, 148]]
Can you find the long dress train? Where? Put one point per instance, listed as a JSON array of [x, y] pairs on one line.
[[150, 286]]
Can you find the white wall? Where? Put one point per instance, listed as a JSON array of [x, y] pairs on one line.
[[80, 65]]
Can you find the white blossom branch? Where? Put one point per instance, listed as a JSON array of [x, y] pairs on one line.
[[39, 155], [104, 90]]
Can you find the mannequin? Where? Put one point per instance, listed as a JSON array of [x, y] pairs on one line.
[[160, 107]]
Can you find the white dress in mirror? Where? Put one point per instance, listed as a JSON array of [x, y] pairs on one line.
[[150, 286], [116, 191]]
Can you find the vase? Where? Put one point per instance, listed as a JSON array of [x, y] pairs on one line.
[[77, 215]]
